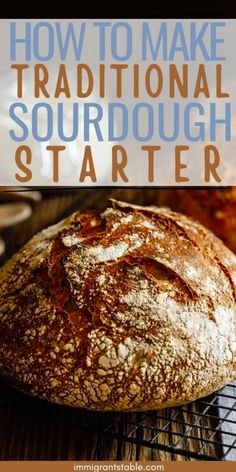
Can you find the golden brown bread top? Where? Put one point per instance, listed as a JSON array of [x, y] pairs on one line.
[[131, 309]]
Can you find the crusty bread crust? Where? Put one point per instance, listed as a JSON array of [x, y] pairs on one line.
[[133, 309]]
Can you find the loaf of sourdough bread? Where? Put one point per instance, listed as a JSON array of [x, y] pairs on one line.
[[132, 309]]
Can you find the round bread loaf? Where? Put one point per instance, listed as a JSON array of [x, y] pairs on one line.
[[214, 208], [133, 309]]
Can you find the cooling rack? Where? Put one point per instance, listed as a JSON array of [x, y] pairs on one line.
[[202, 430]]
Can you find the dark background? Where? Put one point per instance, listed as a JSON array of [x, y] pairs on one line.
[[119, 9]]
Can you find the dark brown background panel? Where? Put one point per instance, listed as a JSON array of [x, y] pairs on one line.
[[121, 8]]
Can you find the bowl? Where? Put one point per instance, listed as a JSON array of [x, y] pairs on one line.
[[13, 213]]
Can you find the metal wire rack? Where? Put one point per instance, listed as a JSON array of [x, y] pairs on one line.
[[202, 430]]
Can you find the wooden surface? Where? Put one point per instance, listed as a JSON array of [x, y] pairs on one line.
[[31, 429], [28, 436]]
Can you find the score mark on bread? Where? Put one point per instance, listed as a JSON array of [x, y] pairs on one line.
[[132, 309]]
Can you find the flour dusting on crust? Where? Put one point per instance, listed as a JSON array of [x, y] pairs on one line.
[[133, 309]]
